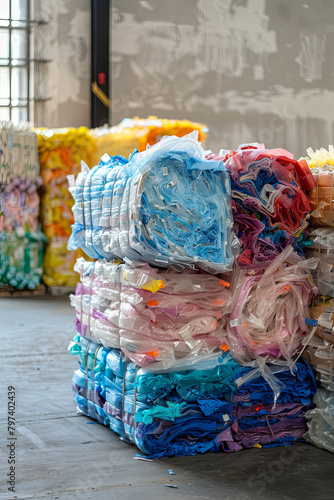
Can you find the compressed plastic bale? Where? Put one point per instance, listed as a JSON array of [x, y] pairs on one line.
[[169, 206], [321, 421], [320, 355], [60, 154], [266, 418], [156, 317], [270, 202], [137, 133], [322, 310], [188, 409], [270, 307], [156, 412], [18, 155], [21, 240], [322, 247], [321, 163]]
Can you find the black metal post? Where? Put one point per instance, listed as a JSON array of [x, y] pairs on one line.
[[100, 63]]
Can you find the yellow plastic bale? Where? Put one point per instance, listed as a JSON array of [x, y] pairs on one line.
[[60, 154], [136, 133]]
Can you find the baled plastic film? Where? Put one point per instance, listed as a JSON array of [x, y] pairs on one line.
[[138, 133], [155, 317], [21, 239], [155, 412], [159, 411], [322, 310], [320, 355], [321, 163], [93, 196], [60, 154], [269, 405], [321, 421], [322, 247], [269, 200], [168, 206], [269, 310]]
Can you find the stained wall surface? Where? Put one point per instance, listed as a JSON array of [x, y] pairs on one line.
[[252, 70], [62, 45]]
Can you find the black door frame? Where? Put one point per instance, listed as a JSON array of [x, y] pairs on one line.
[[100, 102]]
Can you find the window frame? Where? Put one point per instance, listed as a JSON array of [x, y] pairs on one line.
[[23, 26]]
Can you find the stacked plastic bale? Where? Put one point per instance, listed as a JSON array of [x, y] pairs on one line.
[[60, 153], [154, 316], [270, 202], [137, 133], [180, 411], [271, 288], [170, 207], [166, 207], [270, 411], [321, 163], [319, 352], [267, 326], [201, 404], [21, 239], [170, 411]]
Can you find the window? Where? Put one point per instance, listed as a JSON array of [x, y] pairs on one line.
[[14, 60]]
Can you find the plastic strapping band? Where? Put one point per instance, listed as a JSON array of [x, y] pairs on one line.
[[111, 206], [102, 198], [81, 304], [86, 366], [93, 373], [83, 210], [271, 432], [330, 362], [120, 277], [118, 208], [123, 397], [91, 335], [135, 396], [311, 334], [90, 176]]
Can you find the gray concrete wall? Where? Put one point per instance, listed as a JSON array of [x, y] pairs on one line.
[[252, 70], [62, 86]]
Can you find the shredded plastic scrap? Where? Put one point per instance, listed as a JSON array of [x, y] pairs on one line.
[[168, 206]]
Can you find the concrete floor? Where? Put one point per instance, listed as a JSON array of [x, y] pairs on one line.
[[60, 456]]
